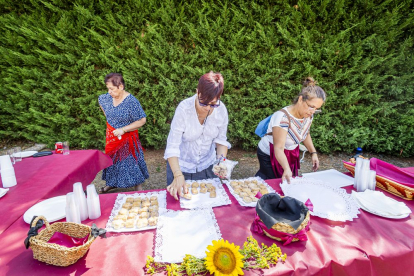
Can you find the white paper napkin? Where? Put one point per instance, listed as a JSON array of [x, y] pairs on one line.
[[3, 192]]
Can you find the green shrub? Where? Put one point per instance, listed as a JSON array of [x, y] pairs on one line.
[[55, 54]]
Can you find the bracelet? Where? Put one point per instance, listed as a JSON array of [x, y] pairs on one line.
[[176, 176], [313, 152], [123, 129], [177, 171]]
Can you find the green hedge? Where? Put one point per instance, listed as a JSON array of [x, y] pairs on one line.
[[55, 54]]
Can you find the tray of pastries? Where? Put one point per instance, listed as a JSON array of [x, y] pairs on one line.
[[204, 194], [136, 212], [245, 190]]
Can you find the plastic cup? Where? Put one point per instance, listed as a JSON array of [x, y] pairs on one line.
[[65, 148]]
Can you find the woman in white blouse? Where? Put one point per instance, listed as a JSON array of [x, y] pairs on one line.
[[278, 150], [198, 135]]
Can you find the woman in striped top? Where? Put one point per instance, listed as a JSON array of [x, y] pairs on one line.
[[278, 150]]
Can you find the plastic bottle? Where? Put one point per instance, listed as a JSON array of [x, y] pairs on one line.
[[358, 152]]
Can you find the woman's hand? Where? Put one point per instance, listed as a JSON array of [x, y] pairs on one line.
[[287, 174], [315, 162], [177, 187], [118, 132]]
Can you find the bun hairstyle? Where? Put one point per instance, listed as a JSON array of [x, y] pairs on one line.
[[210, 87], [116, 79], [310, 91]]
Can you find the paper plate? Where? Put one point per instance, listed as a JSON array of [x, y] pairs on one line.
[[380, 214], [52, 209], [28, 153]]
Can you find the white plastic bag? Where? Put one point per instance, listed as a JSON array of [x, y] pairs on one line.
[[223, 167]]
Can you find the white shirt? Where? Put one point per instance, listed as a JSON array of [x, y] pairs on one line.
[[194, 144], [297, 133]]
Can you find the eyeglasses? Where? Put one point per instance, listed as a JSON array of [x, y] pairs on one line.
[[211, 105], [313, 108]]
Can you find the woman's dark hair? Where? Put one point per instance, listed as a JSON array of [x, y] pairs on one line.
[[115, 78], [310, 91], [210, 86]]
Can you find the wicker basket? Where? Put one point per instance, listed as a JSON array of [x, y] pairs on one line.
[[388, 185], [286, 228], [56, 254]]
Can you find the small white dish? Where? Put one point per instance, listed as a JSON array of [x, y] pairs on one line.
[[28, 153], [52, 209]]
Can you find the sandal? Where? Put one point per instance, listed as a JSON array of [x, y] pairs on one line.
[[105, 189]]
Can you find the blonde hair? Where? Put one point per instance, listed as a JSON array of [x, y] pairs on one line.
[[310, 91]]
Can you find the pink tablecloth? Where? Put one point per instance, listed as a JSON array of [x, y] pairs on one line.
[[45, 177], [369, 245]]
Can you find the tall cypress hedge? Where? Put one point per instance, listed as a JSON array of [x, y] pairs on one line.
[[55, 54]]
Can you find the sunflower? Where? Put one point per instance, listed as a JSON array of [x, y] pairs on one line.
[[224, 259]]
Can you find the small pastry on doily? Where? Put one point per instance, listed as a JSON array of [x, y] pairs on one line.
[[134, 210], [154, 203], [187, 196], [130, 223], [152, 221], [237, 191], [264, 191], [129, 200], [131, 216], [262, 186], [153, 198], [153, 208], [146, 204], [242, 194], [123, 211], [211, 188], [247, 199], [127, 205], [213, 194], [153, 213], [195, 185], [255, 199], [144, 215], [246, 190], [121, 217], [137, 199], [116, 224], [136, 204], [194, 191], [254, 181], [145, 199], [255, 191], [143, 222], [143, 209], [203, 190], [202, 185]]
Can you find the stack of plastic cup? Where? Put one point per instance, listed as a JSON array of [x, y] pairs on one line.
[[94, 205], [81, 200], [8, 176], [72, 209]]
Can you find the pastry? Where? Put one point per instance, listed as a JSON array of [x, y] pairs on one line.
[[154, 203], [153, 221], [143, 222], [212, 194], [129, 200], [127, 205], [134, 210], [121, 217], [203, 190], [153, 208], [194, 191], [123, 211], [246, 190], [255, 199], [247, 199], [143, 209], [153, 213], [144, 215], [146, 204], [202, 185], [187, 196], [131, 216], [136, 204], [137, 199], [195, 185], [130, 223], [264, 191], [237, 191], [116, 224], [254, 181], [212, 188], [243, 194], [153, 198]]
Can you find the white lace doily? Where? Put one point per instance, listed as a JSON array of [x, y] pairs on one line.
[[239, 198], [204, 200], [121, 199], [185, 232], [329, 202]]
